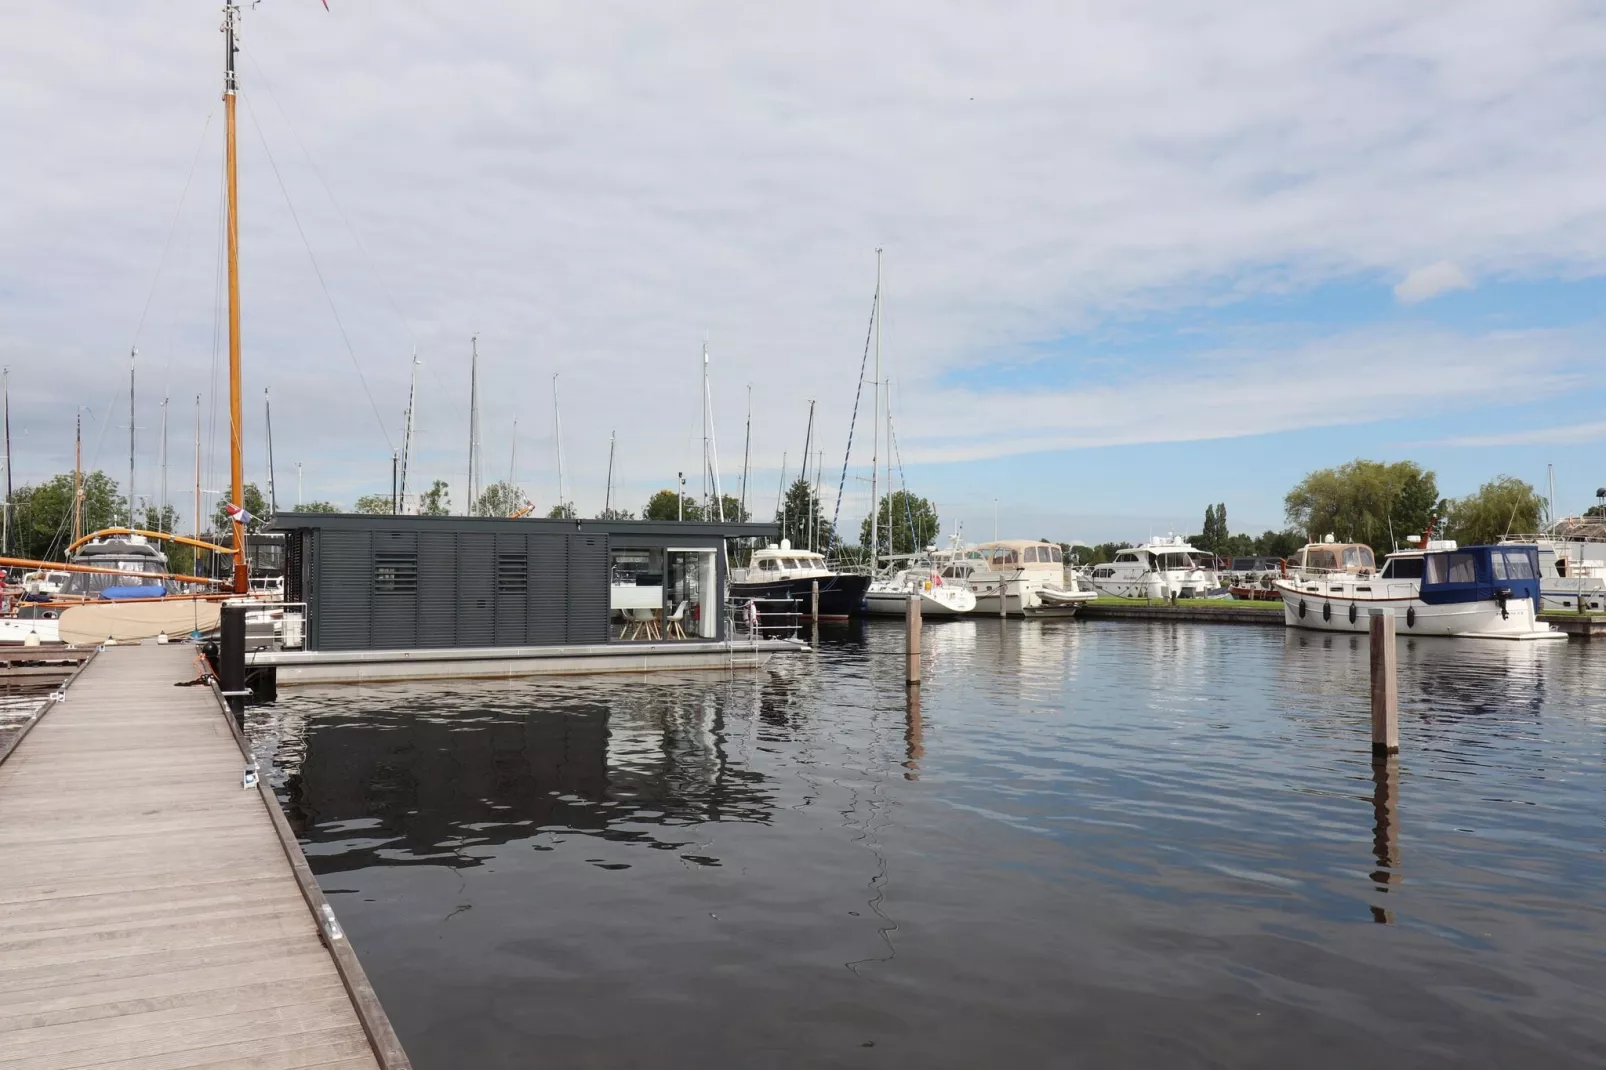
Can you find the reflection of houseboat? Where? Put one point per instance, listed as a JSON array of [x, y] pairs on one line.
[[1473, 592], [1159, 569], [1028, 576], [782, 573], [400, 597]]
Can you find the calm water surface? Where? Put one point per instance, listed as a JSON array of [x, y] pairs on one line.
[[1091, 844]]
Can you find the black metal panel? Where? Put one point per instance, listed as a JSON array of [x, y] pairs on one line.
[[588, 604], [476, 589], [437, 589], [549, 589], [295, 560], [395, 580], [512, 589], [344, 595]]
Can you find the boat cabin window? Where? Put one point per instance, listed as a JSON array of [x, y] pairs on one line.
[[1005, 557], [1129, 556], [1325, 559], [1359, 557], [769, 564], [1512, 565], [1402, 568], [1182, 561], [1463, 568]]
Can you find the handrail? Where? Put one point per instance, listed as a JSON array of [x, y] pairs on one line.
[[68, 566]]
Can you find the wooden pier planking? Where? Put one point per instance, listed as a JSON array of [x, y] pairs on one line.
[[150, 913]]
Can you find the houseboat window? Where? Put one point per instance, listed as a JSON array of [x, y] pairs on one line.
[[1463, 568], [692, 604], [395, 572], [636, 591], [1436, 568], [1358, 557], [1517, 566], [1403, 568]]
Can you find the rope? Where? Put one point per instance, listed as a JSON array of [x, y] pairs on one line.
[[864, 362]]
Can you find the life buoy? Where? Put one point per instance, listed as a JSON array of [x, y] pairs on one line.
[[1352, 612], [1302, 608], [1327, 611], [1410, 617]]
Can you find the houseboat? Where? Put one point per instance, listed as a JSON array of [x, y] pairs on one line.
[[1486, 592], [420, 597]]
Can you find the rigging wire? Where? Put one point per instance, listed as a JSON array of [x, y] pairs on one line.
[[841, 487], [318, 271]]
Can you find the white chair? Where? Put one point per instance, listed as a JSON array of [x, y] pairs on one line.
[[672, 628], [644, 624]]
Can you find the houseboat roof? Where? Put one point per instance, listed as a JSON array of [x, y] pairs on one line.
[[692, 529]]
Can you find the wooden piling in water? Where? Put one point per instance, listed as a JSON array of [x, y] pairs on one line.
[[814, 603], [911, 623], [1385, 687]]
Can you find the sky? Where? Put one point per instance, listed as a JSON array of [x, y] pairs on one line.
[[1136, 258]]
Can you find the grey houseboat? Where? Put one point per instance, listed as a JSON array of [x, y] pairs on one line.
[[415, 597]]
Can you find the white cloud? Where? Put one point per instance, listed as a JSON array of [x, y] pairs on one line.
[[593, 190], [1428, 282], [1562, 435]]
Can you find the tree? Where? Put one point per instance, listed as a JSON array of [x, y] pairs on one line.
[[435, 501], [163, 519], [616, 514], [731, 508], [318, 507], [802, 519], [562, 512], [1364, 501], [254, 504], [1103, 552], [1501, 506], [1278, 543], [893, 533], [499, 499], [41, 514], [667, 505], [376, 504]]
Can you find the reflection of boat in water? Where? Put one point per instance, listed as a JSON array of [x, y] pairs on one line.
[[1469, 592], [782, 573]]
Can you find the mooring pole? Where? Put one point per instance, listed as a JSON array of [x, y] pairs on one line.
[[231, 656], [911, 623], [814, 596], [1385, 688]]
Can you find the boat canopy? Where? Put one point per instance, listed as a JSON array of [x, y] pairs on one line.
[[1481, 574], [1013, 552]]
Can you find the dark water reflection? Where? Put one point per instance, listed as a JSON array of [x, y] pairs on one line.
[[1087, 844]]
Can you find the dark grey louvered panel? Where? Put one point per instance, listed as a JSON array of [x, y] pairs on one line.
[[294, 561], [345, 578], [588, 589], [549, 589], [395, 586], [437, 589], [476, 589], [512, 589]]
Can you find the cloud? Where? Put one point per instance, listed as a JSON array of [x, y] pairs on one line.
[[1566, 435], [594, 191], [1429, 282]]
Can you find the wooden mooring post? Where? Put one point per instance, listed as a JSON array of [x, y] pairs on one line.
[[1385, 687], [814, 603], [911, 624]]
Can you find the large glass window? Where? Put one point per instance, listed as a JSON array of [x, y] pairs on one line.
[[693, 604], [636, 592], [1463, 568], [1403, 568], [1519, 566], [1358, 557], [1436, 568]]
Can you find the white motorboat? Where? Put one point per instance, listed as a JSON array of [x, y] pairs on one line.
[[1572, 572], [1160, 569], [1028, 578], [1486, 592], [939, 597]]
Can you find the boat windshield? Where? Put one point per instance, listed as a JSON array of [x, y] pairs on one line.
[[96, 582], [1358, 557], [1170, 561], [1402, 568]]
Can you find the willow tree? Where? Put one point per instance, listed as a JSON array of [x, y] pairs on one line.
[[1365, 501]]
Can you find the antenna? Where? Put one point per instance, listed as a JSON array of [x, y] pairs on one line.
[[133, 356], [473, 414], [607, 494], [407, 430], [557, 435]]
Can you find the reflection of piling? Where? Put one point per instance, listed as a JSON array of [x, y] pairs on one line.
[[1385, 688], [1385, 826], [911, 623], [913, 734]]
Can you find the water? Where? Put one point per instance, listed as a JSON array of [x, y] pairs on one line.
[[1093, 844]]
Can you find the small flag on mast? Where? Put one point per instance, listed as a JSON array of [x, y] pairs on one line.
[[237, 513]]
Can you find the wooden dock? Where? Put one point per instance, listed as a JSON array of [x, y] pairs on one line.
[[154, 913]]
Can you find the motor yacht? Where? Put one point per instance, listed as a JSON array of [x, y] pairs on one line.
[[1160, 569], [1028, 578], [782, 573]]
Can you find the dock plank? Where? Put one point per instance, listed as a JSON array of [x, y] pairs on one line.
[[149, 916]]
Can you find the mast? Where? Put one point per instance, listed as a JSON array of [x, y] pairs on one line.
[[1551, 506], [267, 422], [875, 419], [706, 501], [5, 511], [298, 485], [161, 515], [133, 356], [407, 432], [231, 85], [747, 446], [607, 494], [780, 496], [711, 449], [808, 445], [77, 480], [513, 456], [557, 434], [473, 413], [196, 519]]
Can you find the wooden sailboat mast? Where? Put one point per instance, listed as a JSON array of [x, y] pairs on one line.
[[231, 15], [78, 480], [133, 358]]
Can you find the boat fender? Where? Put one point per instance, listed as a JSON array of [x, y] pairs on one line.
[[1352, 613], [1302, 608], [1327, 611], [1410, 617]]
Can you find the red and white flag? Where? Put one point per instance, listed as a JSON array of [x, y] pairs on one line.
[[237, 513]]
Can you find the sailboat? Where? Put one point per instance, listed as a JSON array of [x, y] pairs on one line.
[[120, 586]]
